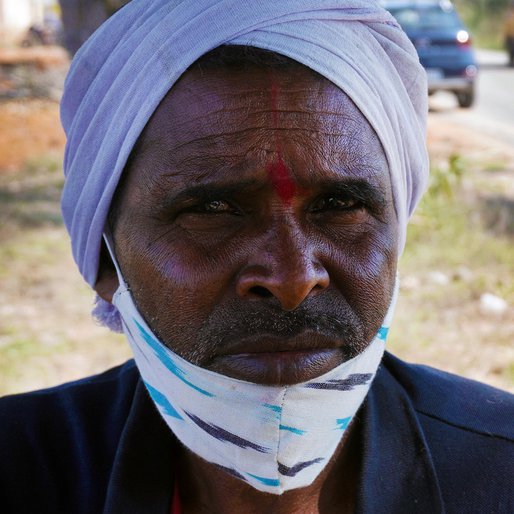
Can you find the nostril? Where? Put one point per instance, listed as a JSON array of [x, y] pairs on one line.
[[260, 291]]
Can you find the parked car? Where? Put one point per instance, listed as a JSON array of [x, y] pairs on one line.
[[443, 44]]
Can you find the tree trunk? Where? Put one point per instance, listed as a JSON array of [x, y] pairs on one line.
[[80, 18]]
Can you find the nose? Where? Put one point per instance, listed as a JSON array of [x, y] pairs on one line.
[[287, 269]]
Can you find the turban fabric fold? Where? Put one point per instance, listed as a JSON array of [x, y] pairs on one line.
[[121, 74]]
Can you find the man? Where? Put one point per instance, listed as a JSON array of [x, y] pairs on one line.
[[239, 179]]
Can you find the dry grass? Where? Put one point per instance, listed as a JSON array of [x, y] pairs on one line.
[[47, 335], [461, 246]]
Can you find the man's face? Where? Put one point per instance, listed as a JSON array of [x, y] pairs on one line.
[[255, 224]]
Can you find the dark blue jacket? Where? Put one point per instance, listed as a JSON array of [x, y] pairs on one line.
[[431, 443]]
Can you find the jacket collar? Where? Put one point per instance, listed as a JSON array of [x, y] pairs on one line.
[[397, 473], [143, 473]]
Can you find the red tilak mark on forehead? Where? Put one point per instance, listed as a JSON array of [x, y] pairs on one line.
[[280, 177], [274, 103], [278, 172]]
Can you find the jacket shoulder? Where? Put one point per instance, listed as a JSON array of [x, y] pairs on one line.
[[64, 403], [455, 400], [468, 431], [69, 434]]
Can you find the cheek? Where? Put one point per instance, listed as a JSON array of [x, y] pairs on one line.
[[365, 272], [175, 284], [379, 256]]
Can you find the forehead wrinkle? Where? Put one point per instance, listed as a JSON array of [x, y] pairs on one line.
[[348, 133], [211, 101], [352, 139], [354, 156], [359, 163], [212, 115], [255, 119], [249, 125], [208, 142], [350, 146], [178, 122], [255, 113], [350, 149], [261, 91], [196, 169], [198, 166], [211, 141]]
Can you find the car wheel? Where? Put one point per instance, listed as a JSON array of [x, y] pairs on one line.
[[466, 98]]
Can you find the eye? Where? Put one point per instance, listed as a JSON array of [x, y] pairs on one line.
[[209, 215], [214, 207], [217, 206], [333, 202]]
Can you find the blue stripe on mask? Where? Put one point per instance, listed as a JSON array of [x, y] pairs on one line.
[[342, 424], [163, 402], [382, 333], [296, 431], [167, 360], [272, 482], [274, 408]]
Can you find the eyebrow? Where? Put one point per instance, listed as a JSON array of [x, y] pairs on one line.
[[209, 191], [360, 189]]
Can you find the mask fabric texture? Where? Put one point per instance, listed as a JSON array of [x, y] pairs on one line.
[[275, 438]]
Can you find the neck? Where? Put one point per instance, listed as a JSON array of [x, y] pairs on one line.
[[205, 488]]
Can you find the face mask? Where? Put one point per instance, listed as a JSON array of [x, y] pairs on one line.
[[275, 438]]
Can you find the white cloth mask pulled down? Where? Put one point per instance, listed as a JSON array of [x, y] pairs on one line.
[[275, 438]]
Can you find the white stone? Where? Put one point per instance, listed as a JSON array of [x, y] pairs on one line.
[[409, 282], [492, 304], [439, 278]]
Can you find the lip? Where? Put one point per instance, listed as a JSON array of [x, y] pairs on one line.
[[305, 341], [272, 360]]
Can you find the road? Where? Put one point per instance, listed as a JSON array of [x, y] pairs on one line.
[[493, 112]]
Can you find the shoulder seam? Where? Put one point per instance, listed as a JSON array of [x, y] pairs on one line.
[[465, 428], [83, 382]]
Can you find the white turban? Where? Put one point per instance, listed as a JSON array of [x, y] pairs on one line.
[[124, 70]]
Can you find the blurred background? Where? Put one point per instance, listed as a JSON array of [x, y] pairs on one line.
[[456, 308]]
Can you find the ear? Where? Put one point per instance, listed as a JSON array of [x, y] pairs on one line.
[[107, 281]]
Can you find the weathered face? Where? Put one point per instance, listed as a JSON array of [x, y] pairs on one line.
[[255, 225]]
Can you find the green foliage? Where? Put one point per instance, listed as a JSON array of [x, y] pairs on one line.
[[439, 201], [451, 227], [483, 6], [445, 180], [485, 20]]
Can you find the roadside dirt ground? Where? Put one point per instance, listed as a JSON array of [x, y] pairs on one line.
[[28, 130], [446, 139]]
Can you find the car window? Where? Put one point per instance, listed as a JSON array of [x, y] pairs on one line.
[[428, 18]]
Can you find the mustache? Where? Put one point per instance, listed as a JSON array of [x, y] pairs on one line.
[[226, 328]]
